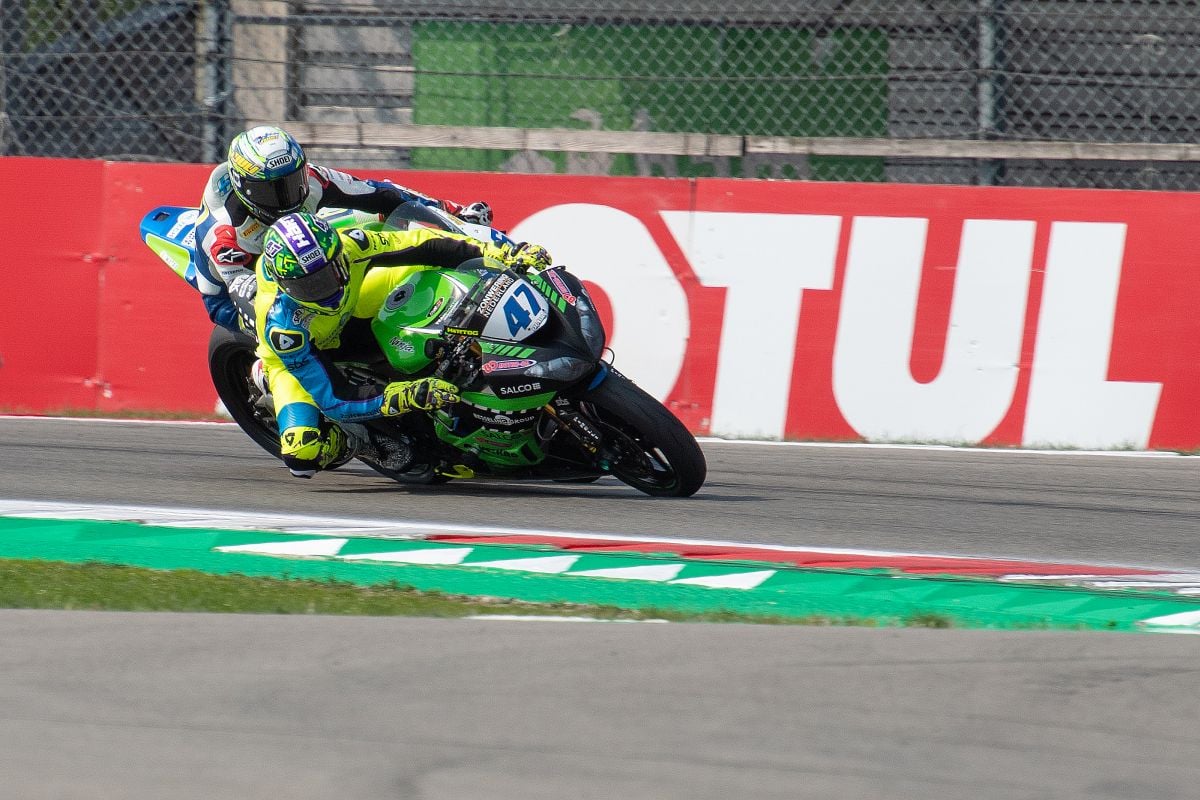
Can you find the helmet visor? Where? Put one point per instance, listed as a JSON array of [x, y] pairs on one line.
[[278, 195], [322, 287]]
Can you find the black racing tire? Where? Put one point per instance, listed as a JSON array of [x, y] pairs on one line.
[[654, 452], [230, 357]]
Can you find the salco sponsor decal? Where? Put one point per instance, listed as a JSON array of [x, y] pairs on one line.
[[524, 388], [494, 366]]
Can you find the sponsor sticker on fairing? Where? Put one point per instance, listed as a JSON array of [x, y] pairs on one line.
[[186, 218], [503, 419], [400, 345], [494, 366], [520, 312], [522, 388], [561, 285], [488, 304]]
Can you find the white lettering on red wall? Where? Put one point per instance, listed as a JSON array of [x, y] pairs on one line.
[[766, 262], [1070, 398], [973, 390]]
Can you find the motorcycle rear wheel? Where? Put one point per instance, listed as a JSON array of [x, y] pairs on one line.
[[230, 357], [654, 452]]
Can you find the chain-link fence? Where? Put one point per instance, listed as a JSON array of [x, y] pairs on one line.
[[909, 88]]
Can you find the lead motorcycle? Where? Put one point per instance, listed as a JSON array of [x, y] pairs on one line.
[[538, 399]]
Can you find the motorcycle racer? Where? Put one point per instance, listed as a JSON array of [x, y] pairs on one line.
[[318, 291], [266, 176]]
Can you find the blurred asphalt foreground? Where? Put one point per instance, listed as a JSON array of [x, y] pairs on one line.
[[185, 706]]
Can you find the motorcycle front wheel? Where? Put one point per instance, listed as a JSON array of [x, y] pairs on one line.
[[646, 446]]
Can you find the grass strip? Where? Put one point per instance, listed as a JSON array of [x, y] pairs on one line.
[[114, 587]]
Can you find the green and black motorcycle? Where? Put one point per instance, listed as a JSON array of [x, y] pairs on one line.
[[539, 400]]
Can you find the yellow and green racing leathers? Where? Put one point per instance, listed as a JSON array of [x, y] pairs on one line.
[[294, 342]]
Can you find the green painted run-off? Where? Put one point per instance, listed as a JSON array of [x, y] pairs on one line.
[[788, 592]]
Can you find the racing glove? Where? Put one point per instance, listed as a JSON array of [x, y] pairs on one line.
[[529, 256], [426, 394], [478, 213]]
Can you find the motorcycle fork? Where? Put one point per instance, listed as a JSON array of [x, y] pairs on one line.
[[586, 434]]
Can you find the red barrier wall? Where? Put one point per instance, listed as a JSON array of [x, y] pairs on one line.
[[114, 329]]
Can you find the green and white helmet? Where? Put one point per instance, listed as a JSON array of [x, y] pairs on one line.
[[268, 172], [304, 256]]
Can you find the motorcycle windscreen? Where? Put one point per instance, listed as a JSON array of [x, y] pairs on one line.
[[520, 312]]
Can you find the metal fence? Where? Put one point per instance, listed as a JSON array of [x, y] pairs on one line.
[[1100, 93]]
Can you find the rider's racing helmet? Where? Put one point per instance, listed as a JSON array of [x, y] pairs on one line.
[[304, 256], [268, 172]]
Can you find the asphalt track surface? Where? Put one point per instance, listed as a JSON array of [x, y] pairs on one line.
[[97, 705]]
